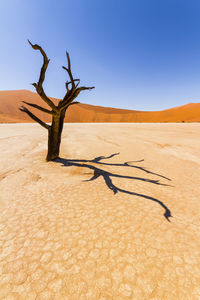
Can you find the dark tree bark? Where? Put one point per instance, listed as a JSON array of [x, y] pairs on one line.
[[57, 111]]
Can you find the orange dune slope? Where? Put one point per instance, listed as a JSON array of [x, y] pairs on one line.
[[10, 101]]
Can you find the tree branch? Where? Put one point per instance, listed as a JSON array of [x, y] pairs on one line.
[[83, 88], [70, 75], [24, 109], [42, 94], [69, 104], [69, 70], [68, 100], [75, 102], [45, 63], [39, 107], [38, 86], [77, 83], [70, 82]]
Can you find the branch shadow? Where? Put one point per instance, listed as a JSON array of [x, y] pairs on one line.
[[106, 175]]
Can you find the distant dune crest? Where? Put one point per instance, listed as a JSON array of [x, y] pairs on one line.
[[10, 101]]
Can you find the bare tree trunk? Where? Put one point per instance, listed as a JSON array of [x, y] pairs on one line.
[[54, 136]]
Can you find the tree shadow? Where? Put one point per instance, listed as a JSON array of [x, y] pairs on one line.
[[106, 175]]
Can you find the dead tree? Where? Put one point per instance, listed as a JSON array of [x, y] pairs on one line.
[[56, 111]]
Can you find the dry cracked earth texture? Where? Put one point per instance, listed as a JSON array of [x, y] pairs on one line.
[[91, 225]]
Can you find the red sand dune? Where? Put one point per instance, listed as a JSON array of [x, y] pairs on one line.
[[10, 101]]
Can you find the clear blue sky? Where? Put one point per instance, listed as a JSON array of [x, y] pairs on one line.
[[139, 54]]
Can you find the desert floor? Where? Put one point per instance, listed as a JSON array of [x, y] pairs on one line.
[[64, 237]]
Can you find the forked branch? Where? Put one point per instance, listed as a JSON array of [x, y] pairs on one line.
[[69, 97], [74, 91]]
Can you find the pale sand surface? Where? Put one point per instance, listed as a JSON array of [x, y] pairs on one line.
[[65, 238]]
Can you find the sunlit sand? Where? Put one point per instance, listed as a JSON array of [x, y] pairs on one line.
[[10, 101], [91, 225]]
